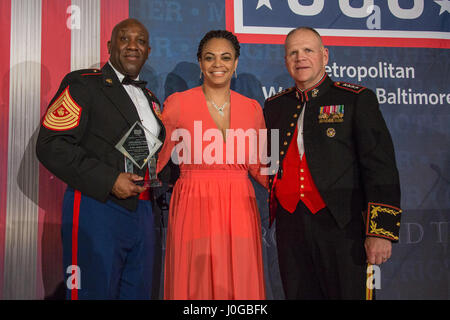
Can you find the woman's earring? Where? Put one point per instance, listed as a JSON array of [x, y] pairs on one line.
[[235, 74], [201, 73]]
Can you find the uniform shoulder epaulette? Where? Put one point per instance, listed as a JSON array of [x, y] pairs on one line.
[[89, 72], [82, 74], [279, 94], [349, 86]]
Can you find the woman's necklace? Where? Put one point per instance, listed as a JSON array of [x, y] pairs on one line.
[[219, 109]]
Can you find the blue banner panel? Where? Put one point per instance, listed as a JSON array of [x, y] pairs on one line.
[[398, 23]]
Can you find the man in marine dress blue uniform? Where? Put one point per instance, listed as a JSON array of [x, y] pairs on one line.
[[107, 223], [336, 193]]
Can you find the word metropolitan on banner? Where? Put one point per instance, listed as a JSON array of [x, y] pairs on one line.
[[394, 23]]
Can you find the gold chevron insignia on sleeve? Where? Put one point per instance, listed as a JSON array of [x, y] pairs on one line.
[[63, 114]]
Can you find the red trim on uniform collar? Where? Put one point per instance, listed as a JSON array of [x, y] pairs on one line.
[[306, 91], [302, 94], [317, 84]]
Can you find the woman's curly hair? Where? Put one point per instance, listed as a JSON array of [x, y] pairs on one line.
[[219, 34]]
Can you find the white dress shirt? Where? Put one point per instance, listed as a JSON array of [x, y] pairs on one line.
[[300, 145], [142, 105]]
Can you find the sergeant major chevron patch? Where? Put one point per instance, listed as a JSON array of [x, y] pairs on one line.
[[63, 114]]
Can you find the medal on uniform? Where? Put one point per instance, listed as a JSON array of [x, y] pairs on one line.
[[331, 114], [139, 146], [157, 109], [331, 132]]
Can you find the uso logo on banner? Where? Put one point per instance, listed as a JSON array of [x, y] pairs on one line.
[[392, 23]]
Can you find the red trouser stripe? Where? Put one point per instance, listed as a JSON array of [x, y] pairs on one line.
[[76, 218]]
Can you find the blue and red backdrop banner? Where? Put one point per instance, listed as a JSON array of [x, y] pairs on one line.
[[398, 48]]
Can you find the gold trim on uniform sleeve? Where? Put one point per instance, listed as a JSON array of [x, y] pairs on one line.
[[383, 221]]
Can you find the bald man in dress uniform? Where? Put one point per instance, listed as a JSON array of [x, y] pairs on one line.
[[108, 227], [335, 193]]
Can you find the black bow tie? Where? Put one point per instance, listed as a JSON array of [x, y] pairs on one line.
[[137, 83]]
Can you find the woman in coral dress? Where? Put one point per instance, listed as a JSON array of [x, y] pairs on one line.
[[213, 248]]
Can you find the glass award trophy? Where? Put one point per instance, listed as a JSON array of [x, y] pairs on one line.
[[139, 146]]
